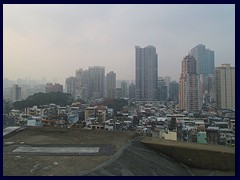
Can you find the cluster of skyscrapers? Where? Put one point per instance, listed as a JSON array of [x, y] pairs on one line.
[[200, 82], [86, 83], [93, 83]]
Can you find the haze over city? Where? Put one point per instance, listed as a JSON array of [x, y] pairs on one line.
[[119, 90], [54, 40]]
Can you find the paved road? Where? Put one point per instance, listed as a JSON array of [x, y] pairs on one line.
[[138, 160]]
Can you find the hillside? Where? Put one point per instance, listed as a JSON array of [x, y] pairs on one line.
[[59, 98]]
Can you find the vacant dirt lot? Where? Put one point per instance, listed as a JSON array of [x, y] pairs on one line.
[[49, 165]]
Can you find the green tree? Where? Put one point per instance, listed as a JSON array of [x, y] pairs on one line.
[[38, 99], [116, 104]]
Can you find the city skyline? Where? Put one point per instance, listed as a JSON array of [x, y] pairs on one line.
[[54, 40]]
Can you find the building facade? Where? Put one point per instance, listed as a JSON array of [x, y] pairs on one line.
[[162, 90], [205, 69], [70, 86], [96, 81], [16, 93], [54, 87], [125, 90], [225, 87], [131, 91], [206, 88], [146, 73], [167, 80], [174, 91], [204, 58], [189, 99], [111, 85], [81, 84]]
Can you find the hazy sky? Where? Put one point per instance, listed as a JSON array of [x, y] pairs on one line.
[[54, 40]]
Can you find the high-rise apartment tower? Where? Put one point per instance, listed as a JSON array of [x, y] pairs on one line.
[[189, 85], [146, 73], [111, 85], [16, 93], [96, 81], [81, 84], [225, 86], [204, 58]]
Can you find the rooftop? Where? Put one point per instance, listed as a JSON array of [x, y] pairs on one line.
[[40, 148]]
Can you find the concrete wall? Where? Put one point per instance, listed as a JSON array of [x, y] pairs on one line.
[[204, 156]]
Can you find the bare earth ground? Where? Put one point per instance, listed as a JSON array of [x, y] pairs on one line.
[[50, 165]]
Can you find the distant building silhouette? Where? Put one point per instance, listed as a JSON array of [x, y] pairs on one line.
[[162, 90], [54, 87], [111, 85], [167, 80], [146, 73], [70, 86], [132, 91], [124, 87], [174, 91], [16, 93], [206, 88], [96, 81], [204, 58], [118, 93], [82, 84], [205, 69]]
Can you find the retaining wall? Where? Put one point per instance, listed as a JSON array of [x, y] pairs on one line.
[[204, 156]]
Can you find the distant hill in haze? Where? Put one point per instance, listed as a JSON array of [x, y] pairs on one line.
[[37, 99]]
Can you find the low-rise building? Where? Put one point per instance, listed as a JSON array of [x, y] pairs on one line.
[[202, 137], [212, 135]]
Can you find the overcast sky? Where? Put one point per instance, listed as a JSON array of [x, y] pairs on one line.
[[53, 41]]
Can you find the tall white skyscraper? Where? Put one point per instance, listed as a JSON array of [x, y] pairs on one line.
[[146, 73]]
